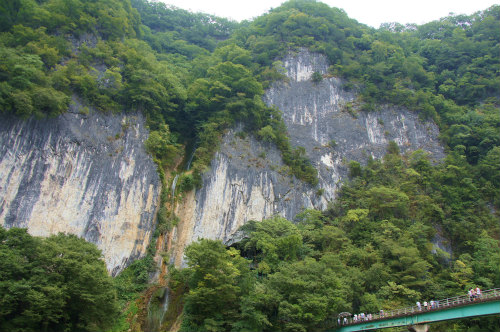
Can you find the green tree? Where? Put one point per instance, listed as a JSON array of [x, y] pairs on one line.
[[273, 241], [217, 280], [316, 77], [306, 294], [161, 144], [53, 284], [385, 202]]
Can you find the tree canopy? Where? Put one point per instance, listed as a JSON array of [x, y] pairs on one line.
[[57, 283]]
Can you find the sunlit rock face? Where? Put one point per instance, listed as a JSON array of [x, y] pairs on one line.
[[84, 174], [248, 180]]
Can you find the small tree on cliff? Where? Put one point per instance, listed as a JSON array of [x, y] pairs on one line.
[[316, 77]]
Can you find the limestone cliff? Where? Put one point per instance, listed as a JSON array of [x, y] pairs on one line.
[[248, 180], [88, 174], [85, 174]]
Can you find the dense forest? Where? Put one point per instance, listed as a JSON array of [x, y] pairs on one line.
[[371, 250], [194, 76]]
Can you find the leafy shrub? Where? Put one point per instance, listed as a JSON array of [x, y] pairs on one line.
[[316, 77]]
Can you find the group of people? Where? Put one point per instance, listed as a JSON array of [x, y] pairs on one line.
[[356, 318], [362, 317], [428, 305], [474, 293]]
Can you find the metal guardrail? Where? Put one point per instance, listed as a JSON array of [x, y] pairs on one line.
[[438, 305]]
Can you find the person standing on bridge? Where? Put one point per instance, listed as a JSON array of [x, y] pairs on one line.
[[478, 292], [472, 295], [425, 305], [419, 306]]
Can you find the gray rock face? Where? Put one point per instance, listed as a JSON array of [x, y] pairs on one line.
[[87, 175], [316, 119], [248, 180]]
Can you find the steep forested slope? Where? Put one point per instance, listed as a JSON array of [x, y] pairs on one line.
[[194, 76]]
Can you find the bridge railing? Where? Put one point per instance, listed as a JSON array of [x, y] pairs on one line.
[[437, 305]]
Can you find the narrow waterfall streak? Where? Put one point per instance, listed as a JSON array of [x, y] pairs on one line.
[[174, 184], [188, 164], [164, 304]]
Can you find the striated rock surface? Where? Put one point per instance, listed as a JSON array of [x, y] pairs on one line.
[[248, 180], [87, 175], [317, 118]]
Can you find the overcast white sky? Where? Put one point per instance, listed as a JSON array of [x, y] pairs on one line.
[[370, 12]]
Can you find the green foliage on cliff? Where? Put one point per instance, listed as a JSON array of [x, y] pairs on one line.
[[173, 30], [375, 248], [35, 44], [447, 70], [199, 74], [57, 283], [168, 68]]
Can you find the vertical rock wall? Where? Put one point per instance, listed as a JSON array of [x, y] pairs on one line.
[[317, 118], [248, 180], [87, 175]]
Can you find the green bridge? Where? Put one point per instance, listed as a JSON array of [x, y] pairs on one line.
[[418, 319]]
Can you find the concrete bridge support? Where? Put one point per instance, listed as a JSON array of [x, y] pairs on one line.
[[419, 328]]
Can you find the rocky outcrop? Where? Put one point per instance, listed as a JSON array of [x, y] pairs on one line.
[[248, 180], [319, 118], [85, 174]]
